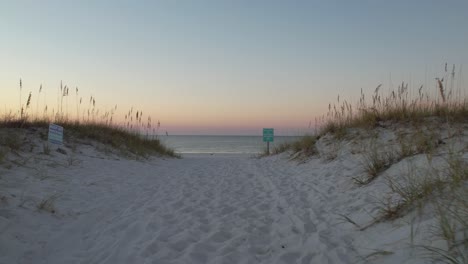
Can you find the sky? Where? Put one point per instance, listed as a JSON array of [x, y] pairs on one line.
[[224, 67]]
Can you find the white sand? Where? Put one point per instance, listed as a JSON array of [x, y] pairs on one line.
[[199, 209]]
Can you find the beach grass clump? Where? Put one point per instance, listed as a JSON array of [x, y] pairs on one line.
[[414, 188], [379, 157], [283, 147], [451, 226], [451, 210], [305, 146], [425, 142], [410, 190], [47, 204], [419, 184], [457, 169], [444, 187], [338, 130], [406, 147], [452, 214], [375, 162]]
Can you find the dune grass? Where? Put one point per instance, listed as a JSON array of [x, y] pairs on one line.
[[375, 161], [452, 213], [411, 189], [444, 187], [119, 138], [401, 106], [133, 135], [305, 145], [116, 137]]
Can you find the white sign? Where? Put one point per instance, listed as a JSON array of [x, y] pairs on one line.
[[55, 134]]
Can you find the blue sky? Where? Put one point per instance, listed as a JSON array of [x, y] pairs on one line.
[[226, 67]]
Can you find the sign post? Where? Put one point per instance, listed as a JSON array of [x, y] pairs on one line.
[[55, 134], [268, 136]]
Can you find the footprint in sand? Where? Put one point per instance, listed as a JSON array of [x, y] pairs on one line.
[[248, 214], [264, 207], [307, 258], [264, 229], [205, 227], [204, 202], [200, 252], [259, 244], [221, 236], [324, 237], [151, 249], [152, 209], [166, 234], [227, 210], [177, 205], [152, 226], [200, 213], [180, 246], [232, 257], [187, 210], [290, 257], [198, 257], [169, 219], [309, 225]]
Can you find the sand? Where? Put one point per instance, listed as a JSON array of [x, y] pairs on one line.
[[199, 209]]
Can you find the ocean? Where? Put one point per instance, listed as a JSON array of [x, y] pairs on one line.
[[222, 144]]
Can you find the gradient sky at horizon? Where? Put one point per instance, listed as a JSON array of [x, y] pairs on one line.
[[226, 67]]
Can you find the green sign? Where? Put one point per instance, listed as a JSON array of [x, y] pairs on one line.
[[268, 134]]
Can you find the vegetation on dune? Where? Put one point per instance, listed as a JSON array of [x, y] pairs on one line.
[[305, 145], [399, 106], [437, 171], [134, 135], [119, 139], [116, 137]]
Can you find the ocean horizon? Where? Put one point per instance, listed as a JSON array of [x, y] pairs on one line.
[[221, 144]]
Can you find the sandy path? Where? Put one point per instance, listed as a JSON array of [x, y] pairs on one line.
[[200, 209]]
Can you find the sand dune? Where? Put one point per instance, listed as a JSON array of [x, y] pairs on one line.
[[199, 209]]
